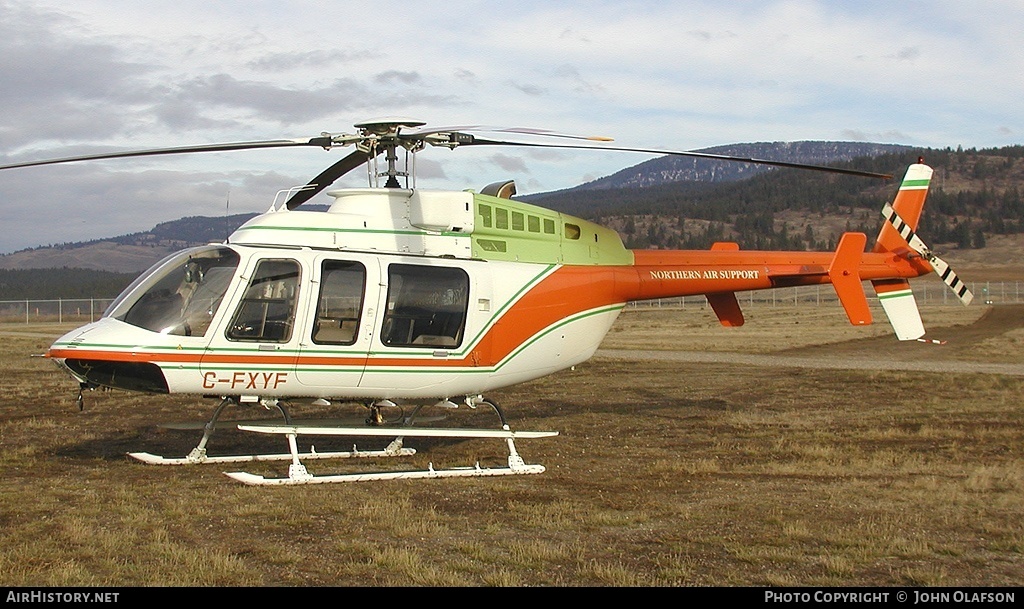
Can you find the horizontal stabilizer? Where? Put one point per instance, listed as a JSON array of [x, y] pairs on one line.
[[844, 272], [727, 308]]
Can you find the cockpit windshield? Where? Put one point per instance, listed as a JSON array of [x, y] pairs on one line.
[[181, 294]]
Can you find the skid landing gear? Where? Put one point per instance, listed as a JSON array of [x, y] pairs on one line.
[[298, 474], [198, 454]]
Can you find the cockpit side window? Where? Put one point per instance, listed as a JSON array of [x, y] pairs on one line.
[[267, 310], [181, 294]]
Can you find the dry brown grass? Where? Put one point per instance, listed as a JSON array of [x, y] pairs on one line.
[[665, 473]]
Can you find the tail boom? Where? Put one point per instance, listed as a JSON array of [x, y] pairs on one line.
[[724, 270], [675, 273]]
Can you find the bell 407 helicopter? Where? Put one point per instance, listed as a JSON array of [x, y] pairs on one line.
[[397, 294]]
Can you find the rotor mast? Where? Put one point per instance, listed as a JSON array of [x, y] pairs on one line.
[[384, 136]]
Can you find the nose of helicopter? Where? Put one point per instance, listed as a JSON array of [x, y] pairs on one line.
[[93, 356]]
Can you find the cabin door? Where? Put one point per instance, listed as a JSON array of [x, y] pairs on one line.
[[339, 324]]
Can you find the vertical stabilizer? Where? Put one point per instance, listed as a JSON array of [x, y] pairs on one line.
[[844, 273], [899, 234], [908, 205], [902, 217]]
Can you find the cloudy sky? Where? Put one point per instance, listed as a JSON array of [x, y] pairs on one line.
[[100, 75]]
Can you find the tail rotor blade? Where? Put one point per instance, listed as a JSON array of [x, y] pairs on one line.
[[940, 266], [949, 278], [905, 231]]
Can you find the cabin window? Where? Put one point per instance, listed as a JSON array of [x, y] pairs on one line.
[[518, 221], [342, 285], [549, 226], [485, 215], [267, 310], [533, 224], [426, 306], [572, 231], [500, 218], [181, 295]]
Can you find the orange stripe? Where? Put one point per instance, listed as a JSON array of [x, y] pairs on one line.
[[566, 292]]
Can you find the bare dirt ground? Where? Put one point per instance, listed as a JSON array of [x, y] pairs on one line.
[[688, 454], [982, 339]]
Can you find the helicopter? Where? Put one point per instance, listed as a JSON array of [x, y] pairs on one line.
[[398, 294]]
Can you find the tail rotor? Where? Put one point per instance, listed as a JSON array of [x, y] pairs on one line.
[[941, 267]]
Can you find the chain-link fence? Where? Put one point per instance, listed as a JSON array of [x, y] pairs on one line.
[[57, 310], [926, 292]]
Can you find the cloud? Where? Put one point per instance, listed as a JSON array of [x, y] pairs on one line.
[[270, 101], [318, 59], [531, 90], [466, 76], [397, 77], [98, 75], [509, 163], [58, 87]]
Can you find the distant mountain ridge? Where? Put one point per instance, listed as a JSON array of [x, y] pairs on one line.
[[134, 252], [673, 169]]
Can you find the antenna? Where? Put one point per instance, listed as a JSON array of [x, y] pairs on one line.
[[227, 214]]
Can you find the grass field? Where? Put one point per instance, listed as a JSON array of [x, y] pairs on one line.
[[664, 473]]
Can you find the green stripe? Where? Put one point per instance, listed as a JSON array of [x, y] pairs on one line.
[[364, 231], [899, 294], [74, 345], [564, 322], [506, 359]]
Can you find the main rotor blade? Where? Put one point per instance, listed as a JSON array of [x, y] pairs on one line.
[[321, 142], [701, 155], [327, 177], [524, 130]]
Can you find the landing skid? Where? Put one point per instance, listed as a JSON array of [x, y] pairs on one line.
[[198, 454], [298, 474], [458, 472], [195, 458]]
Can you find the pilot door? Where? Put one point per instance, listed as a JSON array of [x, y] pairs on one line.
[[255, 354]]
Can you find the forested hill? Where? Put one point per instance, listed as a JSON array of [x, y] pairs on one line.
[[974, 193], [40, 284]]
